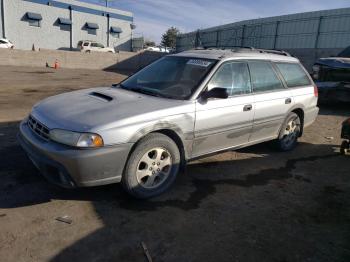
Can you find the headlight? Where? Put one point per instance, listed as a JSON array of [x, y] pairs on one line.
[[76, 139]]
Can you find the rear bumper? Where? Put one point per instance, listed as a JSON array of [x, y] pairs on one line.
[[333, 92], [70, 167], [310, 116]]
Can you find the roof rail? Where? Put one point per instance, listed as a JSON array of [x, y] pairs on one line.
[[239, 48], [273, 51], [231, 47]]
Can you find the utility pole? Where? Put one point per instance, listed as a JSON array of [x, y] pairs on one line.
[[108, 19], [2, 10]]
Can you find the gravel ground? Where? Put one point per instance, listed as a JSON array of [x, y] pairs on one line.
[[254, 204]]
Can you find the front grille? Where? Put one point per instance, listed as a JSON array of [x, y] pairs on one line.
[[38, 128]]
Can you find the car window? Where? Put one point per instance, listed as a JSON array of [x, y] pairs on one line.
[[94, 45], [264, 77], [241, 79], [2, 42], [232, 76], [86, 44], [100, 45], [222, 78], [293, 74]]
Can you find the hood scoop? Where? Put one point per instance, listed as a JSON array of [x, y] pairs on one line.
[[101, 96]]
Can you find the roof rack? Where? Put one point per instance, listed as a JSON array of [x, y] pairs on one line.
[[273, 51], [239, 48]]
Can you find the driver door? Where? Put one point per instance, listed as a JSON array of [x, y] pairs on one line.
[[224, 123]]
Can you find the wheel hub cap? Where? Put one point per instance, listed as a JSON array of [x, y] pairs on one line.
[[154, 167], [291, 131]]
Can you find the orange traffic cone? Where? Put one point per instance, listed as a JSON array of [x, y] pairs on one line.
[[56, 65]]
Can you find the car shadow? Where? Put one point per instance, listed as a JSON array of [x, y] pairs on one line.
[[339, 109], [170, 219]]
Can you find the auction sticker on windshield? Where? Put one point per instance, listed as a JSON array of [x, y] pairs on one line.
[[199, 62]]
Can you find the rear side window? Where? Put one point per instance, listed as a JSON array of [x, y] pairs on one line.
[[293, 74], [264, 77]]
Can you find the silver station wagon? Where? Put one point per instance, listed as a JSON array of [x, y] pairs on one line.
[[179, 108]]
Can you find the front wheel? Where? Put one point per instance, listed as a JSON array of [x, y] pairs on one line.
[[152, 166], [289, 133]]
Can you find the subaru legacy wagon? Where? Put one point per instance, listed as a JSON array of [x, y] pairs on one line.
[[141, 131]]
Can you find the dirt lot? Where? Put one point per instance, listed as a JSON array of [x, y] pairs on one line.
[[254, 204]]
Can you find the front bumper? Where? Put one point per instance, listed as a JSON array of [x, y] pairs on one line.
[[71, 167]]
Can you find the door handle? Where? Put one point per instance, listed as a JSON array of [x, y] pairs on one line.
[[288, 101], [247, 108]]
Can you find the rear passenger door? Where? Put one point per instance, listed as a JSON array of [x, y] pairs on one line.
[[272, 101], [300, 85]]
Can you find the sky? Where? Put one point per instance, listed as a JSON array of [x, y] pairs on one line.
[[154, 17]]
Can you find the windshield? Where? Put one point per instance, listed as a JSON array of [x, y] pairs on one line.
[[170, 77]]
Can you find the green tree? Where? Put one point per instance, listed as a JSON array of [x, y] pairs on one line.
[[149, 43], [169, 37]]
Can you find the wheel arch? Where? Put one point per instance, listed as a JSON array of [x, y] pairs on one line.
[[178, 141], [300, 112], [174, 135]]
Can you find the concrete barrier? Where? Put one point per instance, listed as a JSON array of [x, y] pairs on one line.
[[123, 61]]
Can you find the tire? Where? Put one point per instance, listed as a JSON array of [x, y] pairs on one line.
[[152, 166], [290, 131], [344, 148], [88, 51]]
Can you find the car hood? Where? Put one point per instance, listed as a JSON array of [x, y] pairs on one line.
[[335, 62], [92, 109]]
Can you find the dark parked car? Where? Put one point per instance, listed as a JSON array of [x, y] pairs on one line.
[[345, 134], [332, 77]]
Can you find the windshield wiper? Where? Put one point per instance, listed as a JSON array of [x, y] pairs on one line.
[[149, 92], [143, 90]]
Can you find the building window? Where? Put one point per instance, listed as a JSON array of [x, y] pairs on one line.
[[91, 28], [36, 23], [116, 31], [115, 35], [33, 19], [65, 24]]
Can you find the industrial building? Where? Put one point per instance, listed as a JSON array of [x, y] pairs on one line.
[[308, 35], [61, 24]]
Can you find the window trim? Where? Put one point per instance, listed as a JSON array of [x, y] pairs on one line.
[[218, 68]]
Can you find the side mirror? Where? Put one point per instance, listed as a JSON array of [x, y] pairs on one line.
[[217, 92]]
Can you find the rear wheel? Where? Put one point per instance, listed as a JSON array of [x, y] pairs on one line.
[[152, 166], [289, 134], [344, 148]]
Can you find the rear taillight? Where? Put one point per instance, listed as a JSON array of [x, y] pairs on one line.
[[315, 91]]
